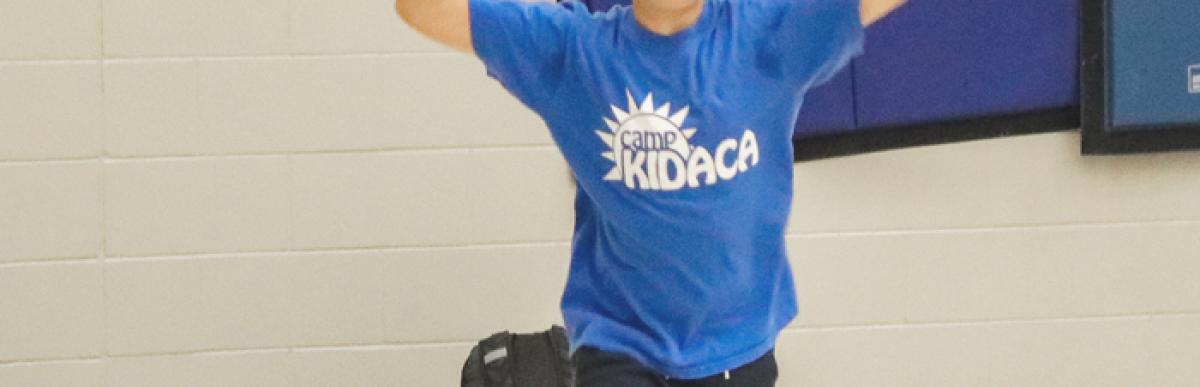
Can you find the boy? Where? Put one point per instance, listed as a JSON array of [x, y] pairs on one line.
[[676, 118]]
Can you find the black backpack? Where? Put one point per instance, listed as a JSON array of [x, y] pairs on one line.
[[520, 360]]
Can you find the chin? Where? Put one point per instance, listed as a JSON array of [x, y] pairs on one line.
[[670, 5]]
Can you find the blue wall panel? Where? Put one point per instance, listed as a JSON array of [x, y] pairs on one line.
[[947, 70], [829, 108], [937, 60]]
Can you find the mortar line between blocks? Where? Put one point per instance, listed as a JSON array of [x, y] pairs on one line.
[[51, 62], [103, 56], [287, 56], [298, 349], [291, 192], [351, 250], [103, 256], [51, 361], [259, 155], [102, 171], [1006, 228], [291, 15], [382, 345], [50, 261], [995, 322]]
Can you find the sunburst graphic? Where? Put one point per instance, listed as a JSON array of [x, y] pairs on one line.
[[644, 127]]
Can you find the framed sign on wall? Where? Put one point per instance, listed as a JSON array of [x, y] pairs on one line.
[[1141, 76]]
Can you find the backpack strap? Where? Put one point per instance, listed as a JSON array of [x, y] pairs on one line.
[[489, 364], [558, 341]]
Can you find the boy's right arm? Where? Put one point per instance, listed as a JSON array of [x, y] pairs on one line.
[[522, 43], [445, 21]]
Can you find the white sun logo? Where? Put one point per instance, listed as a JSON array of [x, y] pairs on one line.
[[644, 128], [650, 149]]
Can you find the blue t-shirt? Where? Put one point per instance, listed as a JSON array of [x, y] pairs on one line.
[[681, 146]]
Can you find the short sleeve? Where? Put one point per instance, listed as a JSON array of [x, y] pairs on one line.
[[523, 44], [816, 38]]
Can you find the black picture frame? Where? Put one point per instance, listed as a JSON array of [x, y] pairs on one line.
[[1099, 136]]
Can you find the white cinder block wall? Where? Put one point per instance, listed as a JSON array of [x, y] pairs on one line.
[[306, 193]]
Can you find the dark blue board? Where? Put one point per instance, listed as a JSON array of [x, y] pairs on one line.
[[828, 108], [938, 60], [939, 71]]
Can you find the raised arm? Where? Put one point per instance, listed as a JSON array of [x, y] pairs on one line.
[[445, 21], [872, 10]]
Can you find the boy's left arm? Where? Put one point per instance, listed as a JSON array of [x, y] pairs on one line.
[[872, 10]]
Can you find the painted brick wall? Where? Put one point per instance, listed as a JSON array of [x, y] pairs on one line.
[[306, 193]]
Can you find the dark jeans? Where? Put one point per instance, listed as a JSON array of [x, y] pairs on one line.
[[597, 368]]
